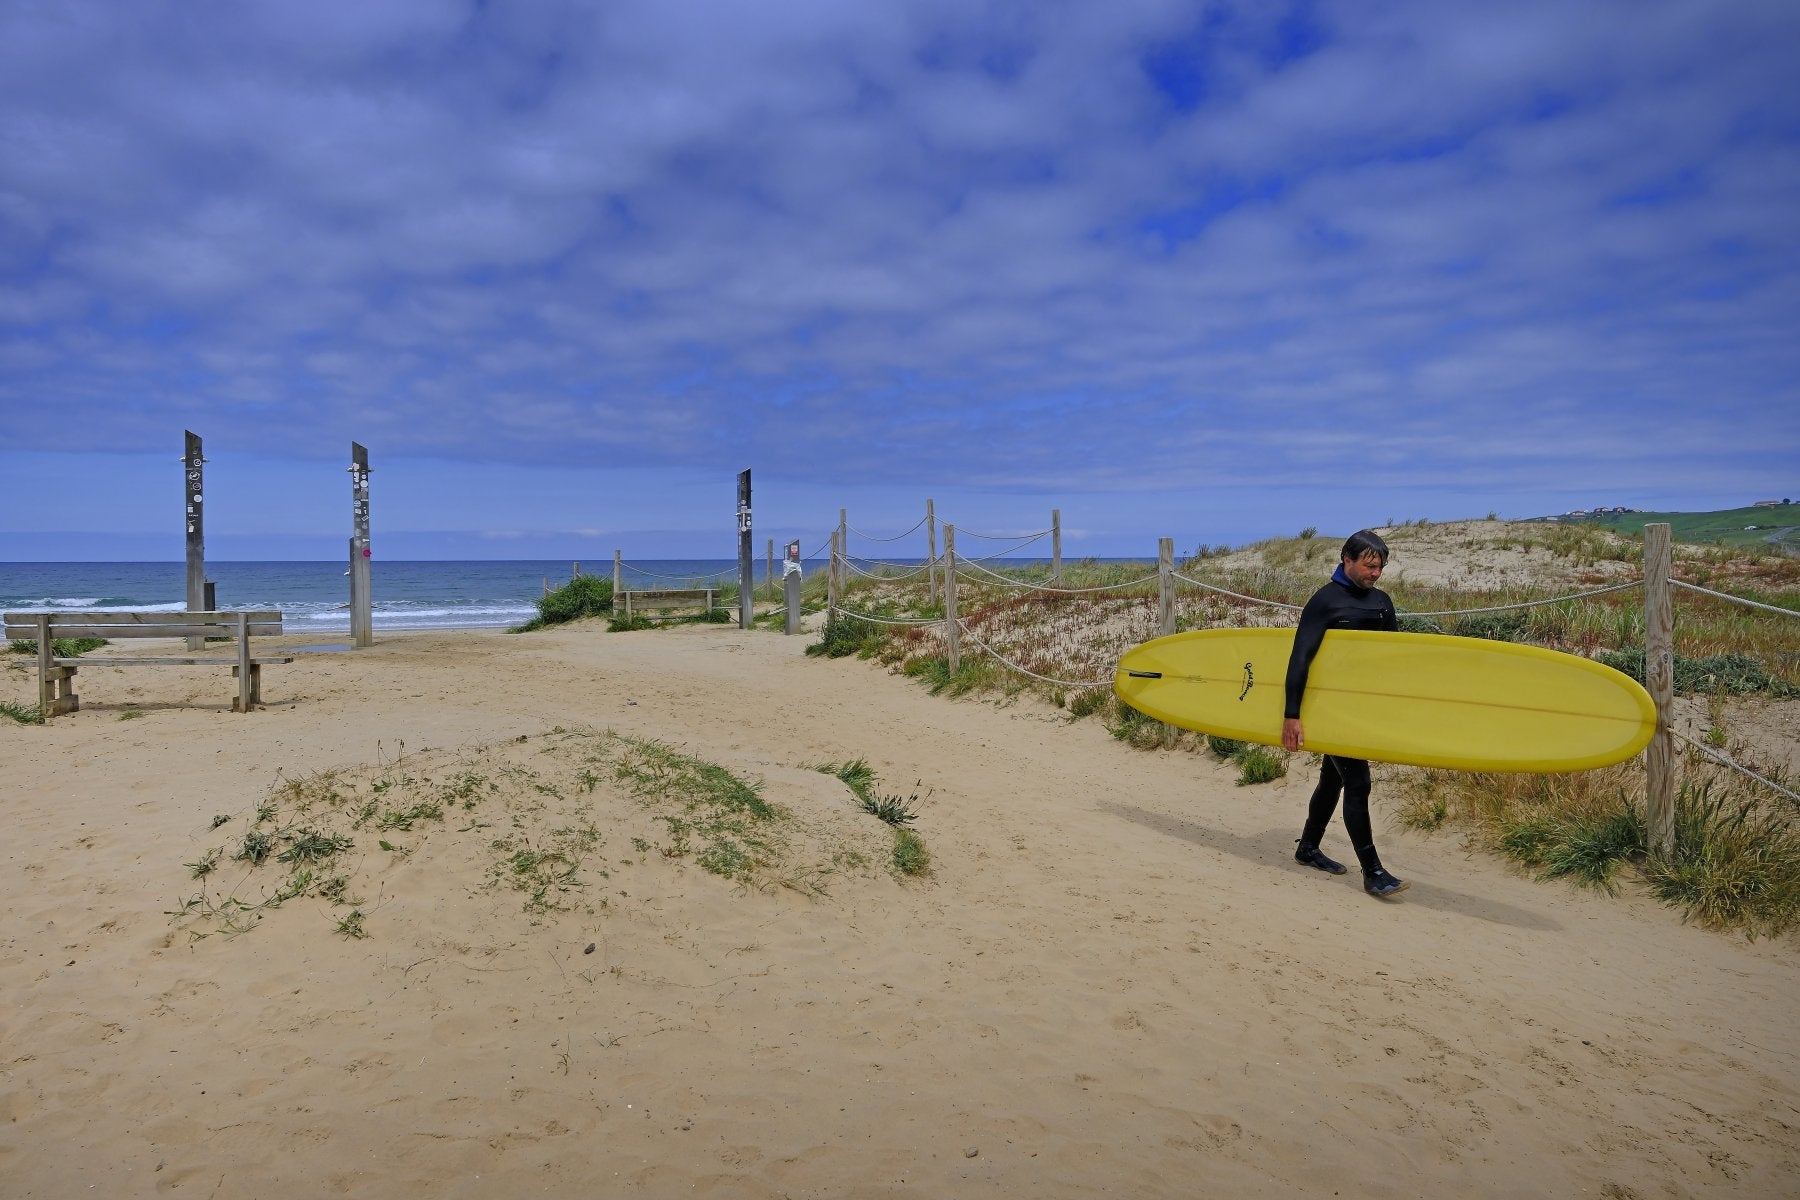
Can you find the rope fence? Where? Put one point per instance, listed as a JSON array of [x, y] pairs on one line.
[[1628, 585], [1740, 768], [1657, 582], [1694, 587]]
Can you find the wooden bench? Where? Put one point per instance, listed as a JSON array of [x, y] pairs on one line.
[[56, 676], [664, 600]]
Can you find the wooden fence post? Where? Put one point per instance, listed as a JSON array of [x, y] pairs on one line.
[[831, 578], [1659, 680], [618, 581], [1056, 546], [952, 633], [931, 570], [1165, 585]]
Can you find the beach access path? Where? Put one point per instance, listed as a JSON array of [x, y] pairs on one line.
[[1115, 982]]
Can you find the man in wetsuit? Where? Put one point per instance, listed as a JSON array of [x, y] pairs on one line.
[[1350, 601]]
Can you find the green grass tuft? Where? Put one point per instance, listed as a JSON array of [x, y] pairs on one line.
[[1735, 864], [1258, 764], [24, 714], [910, 858]]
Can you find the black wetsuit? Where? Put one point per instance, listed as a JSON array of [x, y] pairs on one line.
[[1340, 604]]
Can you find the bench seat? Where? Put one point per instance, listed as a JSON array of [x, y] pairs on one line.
[[56, 673]]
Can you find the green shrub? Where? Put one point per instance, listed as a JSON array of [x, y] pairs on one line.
[[844, 636], [1224, 747], [1735, 674], [582, 596]]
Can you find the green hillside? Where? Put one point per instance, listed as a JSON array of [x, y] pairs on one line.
[[1777, 527]]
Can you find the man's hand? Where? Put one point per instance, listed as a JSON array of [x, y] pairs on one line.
[[1292, 736]]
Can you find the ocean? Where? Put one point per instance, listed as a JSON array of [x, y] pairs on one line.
[[315, 596]]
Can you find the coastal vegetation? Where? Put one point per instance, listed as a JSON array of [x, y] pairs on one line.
[[583, 596], [548, 819], [909, 857], [1737, 861]]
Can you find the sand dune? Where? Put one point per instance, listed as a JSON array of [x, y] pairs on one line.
[[1114, 982]]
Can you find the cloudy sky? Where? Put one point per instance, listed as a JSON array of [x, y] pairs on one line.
[[1212, 271]]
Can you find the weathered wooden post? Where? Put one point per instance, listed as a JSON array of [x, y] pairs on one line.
[[618, 582], [1056, 546], [790, 585], [362, 619], [746, 556], [831, 579], [931, 565], [1659, 680], [1165, 585], [952, 631], [193, 466]]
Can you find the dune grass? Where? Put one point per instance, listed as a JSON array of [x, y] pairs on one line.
[[908, 857], [24, 714], [1735, 863], [544, 819], [1586, 829]]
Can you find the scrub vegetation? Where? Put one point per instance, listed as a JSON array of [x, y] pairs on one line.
[[552, 823], [1737, 862]]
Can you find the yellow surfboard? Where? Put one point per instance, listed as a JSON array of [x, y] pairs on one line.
[[1423, 699]]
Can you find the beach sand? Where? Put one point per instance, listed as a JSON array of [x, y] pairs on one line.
[[1115, 981]]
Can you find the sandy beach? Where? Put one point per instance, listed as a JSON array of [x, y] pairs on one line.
[[1114, 982]]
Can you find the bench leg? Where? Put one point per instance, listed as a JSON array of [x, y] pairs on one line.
[[249, 694], [56, 692]]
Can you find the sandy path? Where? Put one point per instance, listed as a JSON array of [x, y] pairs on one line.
[[1116, 982]]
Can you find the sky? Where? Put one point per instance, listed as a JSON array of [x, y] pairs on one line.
[[1207, 271]]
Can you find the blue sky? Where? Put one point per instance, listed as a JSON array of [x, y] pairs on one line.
[[1206, 271]]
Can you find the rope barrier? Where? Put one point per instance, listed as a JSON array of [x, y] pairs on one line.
[[998, 578], [1007, 662], [1005, 552], [1723, 761], [639, 571], [1235, 595], [869, 537], [1001, 537], [851, 565], [841, 611], [1466, 612], [1694, 587]]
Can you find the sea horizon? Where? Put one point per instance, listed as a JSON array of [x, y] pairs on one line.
[[406, 594]]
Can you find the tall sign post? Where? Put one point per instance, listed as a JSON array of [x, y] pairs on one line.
[[362, 617], [746, 571], [194, 496]]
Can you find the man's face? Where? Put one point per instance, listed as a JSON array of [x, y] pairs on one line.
[[1364, 571]]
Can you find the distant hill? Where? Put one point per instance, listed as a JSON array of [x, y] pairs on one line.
[[1777, 527]]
